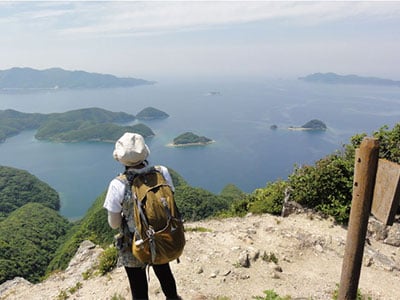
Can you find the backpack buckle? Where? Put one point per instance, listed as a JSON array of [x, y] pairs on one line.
[[150, 232]]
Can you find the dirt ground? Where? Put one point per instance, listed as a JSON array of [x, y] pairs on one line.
[[238, 258]]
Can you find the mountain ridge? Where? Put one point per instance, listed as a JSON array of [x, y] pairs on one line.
[[333, 78], [58, 78]]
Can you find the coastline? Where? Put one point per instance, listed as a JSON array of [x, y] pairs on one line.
[[305, 129], [189, 144]]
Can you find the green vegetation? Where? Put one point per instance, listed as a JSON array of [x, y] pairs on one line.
[[188, 138], [55, 78], [108, 260], [332, 78], [117, 297], [90, 132], [197, 203], [359, 296], [13, 122], [35, 240], [93, 227], [151, 113], [29, 236], [262, 200], [271, 295], [270, 257], [325, 186], [197, 229], [89, 124], [315, 125], [18, 187]]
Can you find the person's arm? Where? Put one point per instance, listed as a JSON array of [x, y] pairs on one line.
[[114, 219], [113, 202]]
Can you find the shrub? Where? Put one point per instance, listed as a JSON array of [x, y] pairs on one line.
[[268, 199], [108, 260], [326, 186], [263, 200], [271, 295]]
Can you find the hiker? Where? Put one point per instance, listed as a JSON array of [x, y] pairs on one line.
[[131, 151]]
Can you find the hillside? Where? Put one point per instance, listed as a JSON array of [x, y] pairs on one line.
[[308, 250], [151, 113], [19, 187], [57, 78], [28, 238], [87, 124]]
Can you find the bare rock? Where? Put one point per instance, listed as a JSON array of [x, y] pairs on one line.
[[393, 237], [244, 260], [86, 258], [16, 283]]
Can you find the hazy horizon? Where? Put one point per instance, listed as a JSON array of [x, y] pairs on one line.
[[188, 39]]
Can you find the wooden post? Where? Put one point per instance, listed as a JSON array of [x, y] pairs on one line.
[[366, 162]]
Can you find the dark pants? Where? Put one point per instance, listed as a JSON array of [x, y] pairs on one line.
[[138, 282]]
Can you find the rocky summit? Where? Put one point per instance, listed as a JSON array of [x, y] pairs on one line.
[[239, 258]]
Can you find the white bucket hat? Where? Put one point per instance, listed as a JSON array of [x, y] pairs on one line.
[[130, 149]]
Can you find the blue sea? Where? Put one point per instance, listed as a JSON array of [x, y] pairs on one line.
[[237, 114]]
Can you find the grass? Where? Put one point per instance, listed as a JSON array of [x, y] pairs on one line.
[[197, 229]]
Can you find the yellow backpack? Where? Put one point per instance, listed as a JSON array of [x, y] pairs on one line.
[[158, 236]]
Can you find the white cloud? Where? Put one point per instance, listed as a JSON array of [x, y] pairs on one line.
[[219, 37], [134, 18]]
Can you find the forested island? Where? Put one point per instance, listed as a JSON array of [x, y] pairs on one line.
[[333, 78], [57, 78], [311, 125], [88, 124], [191, 139], [151, 113]]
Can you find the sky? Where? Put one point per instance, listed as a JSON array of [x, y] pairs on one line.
[[190, 39]]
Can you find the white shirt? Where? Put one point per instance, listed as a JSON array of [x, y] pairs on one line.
[[115, 196]]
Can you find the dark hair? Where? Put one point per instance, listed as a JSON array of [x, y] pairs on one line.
[[143, 164]]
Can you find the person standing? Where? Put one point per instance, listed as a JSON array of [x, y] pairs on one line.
[[132, 152]]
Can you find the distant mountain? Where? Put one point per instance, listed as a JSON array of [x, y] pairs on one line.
[[348, 79], [55, 78]]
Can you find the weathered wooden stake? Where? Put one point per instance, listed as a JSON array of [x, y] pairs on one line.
[[366, 162]]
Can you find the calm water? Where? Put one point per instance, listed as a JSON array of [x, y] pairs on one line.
[[247, 152]]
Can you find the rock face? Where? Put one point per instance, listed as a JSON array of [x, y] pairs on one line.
[[239, 258]]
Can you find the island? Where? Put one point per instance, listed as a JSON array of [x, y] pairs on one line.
[[151, 113], [332, 78], [82, 125], [315, 125], [190, 139], [57, 78]]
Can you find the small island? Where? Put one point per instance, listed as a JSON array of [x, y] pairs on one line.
[[274, 127], [190, 139], [315, 125], [151, 113]]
